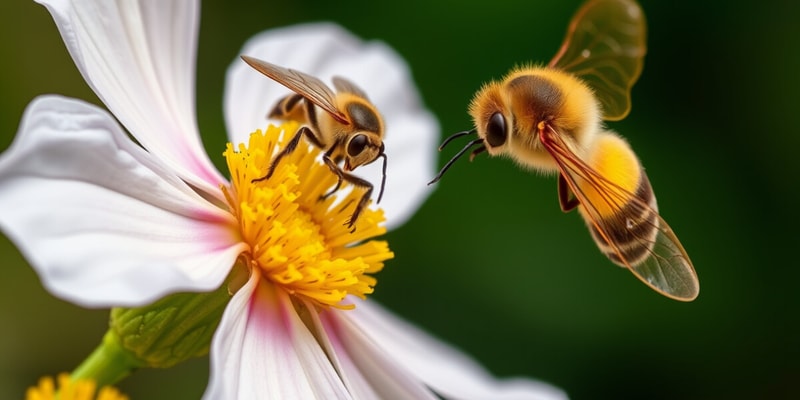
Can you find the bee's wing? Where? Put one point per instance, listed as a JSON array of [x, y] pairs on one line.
[[345, 86], [667, 269], [305, 85], [605, 46]]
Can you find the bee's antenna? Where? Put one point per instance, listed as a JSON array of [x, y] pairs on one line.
[[456, 136], [457, 156], [383, 180]]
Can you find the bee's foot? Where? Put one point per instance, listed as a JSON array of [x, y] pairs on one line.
[[351, 224]]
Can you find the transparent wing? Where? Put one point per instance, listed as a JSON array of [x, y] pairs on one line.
[[667, 268], [605, 45], [345, 86], [305, 85]]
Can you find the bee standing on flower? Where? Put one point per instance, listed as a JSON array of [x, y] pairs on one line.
[[346, 125], [549, 118]]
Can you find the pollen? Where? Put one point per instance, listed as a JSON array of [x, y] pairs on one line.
[[67, 389], [299, 238]]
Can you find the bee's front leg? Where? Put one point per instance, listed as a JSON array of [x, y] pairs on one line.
[[333, 165], [355, 181]]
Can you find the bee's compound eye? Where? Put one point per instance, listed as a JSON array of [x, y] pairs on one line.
[[356, 145], [496, 130]]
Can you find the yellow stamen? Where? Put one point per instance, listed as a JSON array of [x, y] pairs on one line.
[[299, 240], [67, 389]]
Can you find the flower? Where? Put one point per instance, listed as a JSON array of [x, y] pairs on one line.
[[107, 222], [68, 389]]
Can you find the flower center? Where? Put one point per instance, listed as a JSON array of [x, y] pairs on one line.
[[298, 239], [68, 389]]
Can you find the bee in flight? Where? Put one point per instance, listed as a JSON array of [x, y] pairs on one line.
[[343, 123], [549, 118]]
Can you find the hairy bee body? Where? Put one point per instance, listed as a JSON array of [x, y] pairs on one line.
[[529, 96], [344, 123], [633, 228], [327, 130], [550, 119]]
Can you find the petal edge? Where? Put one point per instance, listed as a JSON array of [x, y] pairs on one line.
[[102, 221]]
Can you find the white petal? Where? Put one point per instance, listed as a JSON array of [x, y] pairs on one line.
[[325, 50], [367, 370], [101, 221], [139, 57], [444, 369], [357, 384], [262, 350]]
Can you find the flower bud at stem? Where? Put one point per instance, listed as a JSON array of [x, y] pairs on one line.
[[171, 330], [175, 328]]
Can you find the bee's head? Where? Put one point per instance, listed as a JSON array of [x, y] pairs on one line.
[[362, 148], [490, 115]]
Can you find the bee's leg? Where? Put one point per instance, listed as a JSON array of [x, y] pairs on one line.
[[477, 151], [362, 203], [565, 198], [334, 167], [355, 181], [312, 137], [290, 147]]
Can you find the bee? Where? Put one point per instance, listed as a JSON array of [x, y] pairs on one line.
[[345, 124], [549, 118]]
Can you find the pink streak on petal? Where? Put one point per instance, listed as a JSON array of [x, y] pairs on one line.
[[445, 369], [262, 349], [102, 221], [139, 58], [385, 375]]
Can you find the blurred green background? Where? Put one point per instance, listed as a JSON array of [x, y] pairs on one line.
[[492, 264]]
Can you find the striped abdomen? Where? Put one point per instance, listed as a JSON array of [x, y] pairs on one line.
[[622, 202], [294, 107], [633, 229]]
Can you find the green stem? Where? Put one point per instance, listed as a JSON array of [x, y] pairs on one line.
[[108, 363]]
